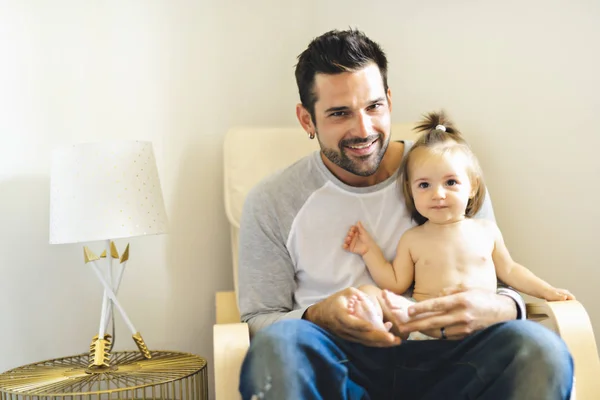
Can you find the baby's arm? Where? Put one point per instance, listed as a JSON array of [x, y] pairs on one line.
[[396, 276], [519, 277]]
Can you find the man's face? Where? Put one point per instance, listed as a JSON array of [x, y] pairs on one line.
[[352, 120]]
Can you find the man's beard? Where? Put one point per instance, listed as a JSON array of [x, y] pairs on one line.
[[357, 165]]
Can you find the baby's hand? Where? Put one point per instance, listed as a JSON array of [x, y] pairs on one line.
[[555, 294], [358, 240]]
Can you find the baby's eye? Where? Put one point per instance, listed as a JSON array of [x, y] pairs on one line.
[[452, 182], [423, 185]]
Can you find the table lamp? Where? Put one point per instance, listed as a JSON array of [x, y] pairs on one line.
[[101, 192]]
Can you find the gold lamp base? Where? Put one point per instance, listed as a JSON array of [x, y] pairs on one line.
[[139, 341], [167, 375], [99, 352], [100, 347]]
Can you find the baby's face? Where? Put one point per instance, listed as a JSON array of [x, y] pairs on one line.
[[440, 185]]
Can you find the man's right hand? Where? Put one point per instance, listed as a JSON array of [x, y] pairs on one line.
[[333, 315]]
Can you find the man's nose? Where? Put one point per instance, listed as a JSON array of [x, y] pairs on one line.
[[365, 127]]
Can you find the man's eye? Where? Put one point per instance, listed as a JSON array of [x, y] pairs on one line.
[[452, 182], [423, 185], [339, 114], [375, 106]]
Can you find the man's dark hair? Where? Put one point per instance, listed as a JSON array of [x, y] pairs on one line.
[[335, 52]]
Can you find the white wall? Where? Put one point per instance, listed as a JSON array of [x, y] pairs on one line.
[[519, 78], [177, 73]]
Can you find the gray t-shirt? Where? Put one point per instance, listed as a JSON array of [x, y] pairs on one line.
[[292, 229]]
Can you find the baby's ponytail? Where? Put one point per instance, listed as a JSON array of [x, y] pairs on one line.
[[436, 127]]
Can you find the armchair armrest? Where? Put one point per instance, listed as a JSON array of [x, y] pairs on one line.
[[227, 308], [571, 322], [231, 340]]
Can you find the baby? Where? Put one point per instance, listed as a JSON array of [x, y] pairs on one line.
[[443, 187]]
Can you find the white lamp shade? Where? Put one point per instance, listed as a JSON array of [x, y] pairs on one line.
[[101, 191]]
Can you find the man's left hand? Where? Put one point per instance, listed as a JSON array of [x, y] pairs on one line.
[[460, 313]]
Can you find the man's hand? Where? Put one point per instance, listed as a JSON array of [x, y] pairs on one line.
[[334, 315], [460, 313]]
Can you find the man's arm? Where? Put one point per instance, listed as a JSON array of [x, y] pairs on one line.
[[265, 269]]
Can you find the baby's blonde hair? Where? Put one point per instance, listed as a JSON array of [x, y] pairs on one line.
[[440, 136]]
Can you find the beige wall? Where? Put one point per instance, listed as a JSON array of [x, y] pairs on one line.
[[174, 72], [519, 78]]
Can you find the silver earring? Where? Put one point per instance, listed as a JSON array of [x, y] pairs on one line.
[[311, 135]]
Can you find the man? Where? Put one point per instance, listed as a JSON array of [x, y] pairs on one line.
[[296, 280]]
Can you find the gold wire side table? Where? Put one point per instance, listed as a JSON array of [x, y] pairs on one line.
[[167, 375]]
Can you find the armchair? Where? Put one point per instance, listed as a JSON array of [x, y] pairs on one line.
[[251, 154]]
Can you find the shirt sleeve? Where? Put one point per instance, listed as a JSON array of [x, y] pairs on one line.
[[487, 212], [265, 270], [513, 294]]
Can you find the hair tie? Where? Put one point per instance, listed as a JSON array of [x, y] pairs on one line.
[[441, 128]]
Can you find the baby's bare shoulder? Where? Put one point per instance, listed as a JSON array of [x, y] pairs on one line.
[[412, 234], [485, 225], [414, 231]]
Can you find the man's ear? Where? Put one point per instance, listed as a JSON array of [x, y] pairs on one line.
[[389, 98], [305, 119]]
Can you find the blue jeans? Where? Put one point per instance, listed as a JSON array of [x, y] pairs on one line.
[[295, 359]]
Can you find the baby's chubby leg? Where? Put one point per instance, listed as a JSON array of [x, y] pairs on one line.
[[368, 307], [393, 314]]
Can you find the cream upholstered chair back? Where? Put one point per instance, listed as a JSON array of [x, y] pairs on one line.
[[250, 154]]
